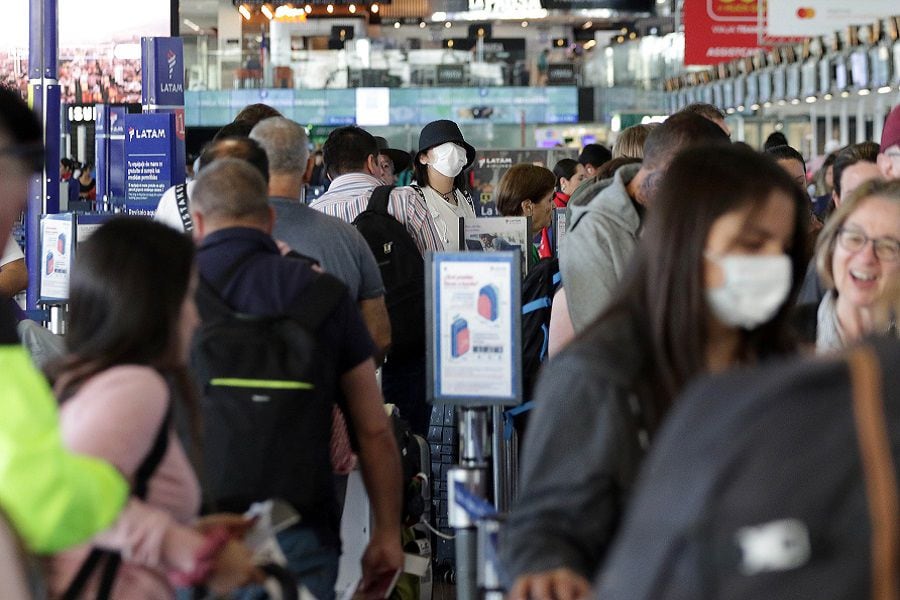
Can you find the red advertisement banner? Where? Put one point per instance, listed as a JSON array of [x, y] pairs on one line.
[[719, 30]]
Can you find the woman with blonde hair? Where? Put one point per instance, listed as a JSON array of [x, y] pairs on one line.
[[630, 142], [858, 258]]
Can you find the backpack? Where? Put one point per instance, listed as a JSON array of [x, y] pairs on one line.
[[538, 289], [776, 483], [267, 392], [402, 270]]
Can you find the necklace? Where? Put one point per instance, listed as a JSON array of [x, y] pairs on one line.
[[449, 197]]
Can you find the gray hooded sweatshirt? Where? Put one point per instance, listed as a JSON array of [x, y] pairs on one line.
[[600, 242]]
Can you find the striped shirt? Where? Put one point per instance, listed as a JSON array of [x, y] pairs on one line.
[[348, 196]]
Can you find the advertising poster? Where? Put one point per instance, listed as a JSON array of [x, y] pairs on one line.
[[474, 339], [718, 31], [149, 163], [490, 165], [499, 234], [808, 18], [99, 47], [57, 232]]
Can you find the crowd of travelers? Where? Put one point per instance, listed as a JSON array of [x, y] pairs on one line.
[[700, 279]]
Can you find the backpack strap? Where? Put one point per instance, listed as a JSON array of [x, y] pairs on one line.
[[181, 200], [879, 471], [142, 478], [378, 201]]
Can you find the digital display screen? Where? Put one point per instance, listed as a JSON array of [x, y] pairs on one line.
[[99, 47]]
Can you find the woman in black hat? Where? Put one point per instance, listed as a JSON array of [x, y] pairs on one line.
[[443, 156]]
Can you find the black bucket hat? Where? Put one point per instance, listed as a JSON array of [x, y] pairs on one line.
[[441, 132], [400, 158]]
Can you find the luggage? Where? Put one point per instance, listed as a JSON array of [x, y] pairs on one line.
[[771, 483], [267, 390]]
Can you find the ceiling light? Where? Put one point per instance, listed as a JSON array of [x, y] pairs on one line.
[[422, 25], [884, 90], [352, 9], [245, 12], [374, 9], [588, 25], [439, 16], [865, 92], [828, 96], [449, 43], [524, 23], [590, 44], [811, 99], [448, 25], [307, 8], [795, 102], [196, 27], [267, 11], [329, 9], [397, 25], [755, 106]]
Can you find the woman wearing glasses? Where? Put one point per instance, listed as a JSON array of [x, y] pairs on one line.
[[858, 257]]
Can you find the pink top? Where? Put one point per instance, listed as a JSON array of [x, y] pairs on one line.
[[115, 416]]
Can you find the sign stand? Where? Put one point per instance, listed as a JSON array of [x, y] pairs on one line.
[[473, 303]]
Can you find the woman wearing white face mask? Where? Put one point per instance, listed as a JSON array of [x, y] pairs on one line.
[[443, 156], [719, 260]]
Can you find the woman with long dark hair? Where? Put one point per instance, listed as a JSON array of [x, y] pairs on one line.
[[132, 315], [719, 261]]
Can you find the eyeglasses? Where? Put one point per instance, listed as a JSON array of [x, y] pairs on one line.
[[30, 154], [851, 240]]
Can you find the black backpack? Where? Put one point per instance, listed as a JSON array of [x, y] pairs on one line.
[[538, 289], [758, 486], [402, 270], [267, 391]]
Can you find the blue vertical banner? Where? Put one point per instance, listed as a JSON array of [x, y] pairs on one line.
[[150, 168], [110, 154], [162, 87]]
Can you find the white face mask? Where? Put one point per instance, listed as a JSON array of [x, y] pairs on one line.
[[755, 288], [449, 159]]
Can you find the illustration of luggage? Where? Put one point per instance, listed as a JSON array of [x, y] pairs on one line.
[[487, 302], [459, 337]]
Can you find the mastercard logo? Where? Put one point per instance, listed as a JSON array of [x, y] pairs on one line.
[[806, 13]]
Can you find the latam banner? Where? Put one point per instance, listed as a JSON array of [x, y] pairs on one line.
[[822, 17], [150, 161], [109, 140], [719, 30], [162, 72]]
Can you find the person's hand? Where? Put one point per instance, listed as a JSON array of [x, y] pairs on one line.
[[233, 568], [558, 584], [383, 555], [236, 525]]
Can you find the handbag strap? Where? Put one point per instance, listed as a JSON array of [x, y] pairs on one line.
[[113, 560], [878, 467]]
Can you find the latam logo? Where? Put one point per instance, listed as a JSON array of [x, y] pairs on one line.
[[171, 59], [146, 134], [494, 162]]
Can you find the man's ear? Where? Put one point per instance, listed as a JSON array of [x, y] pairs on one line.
[[886, 165], [372, 165], [270, 222], [199, 231]]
